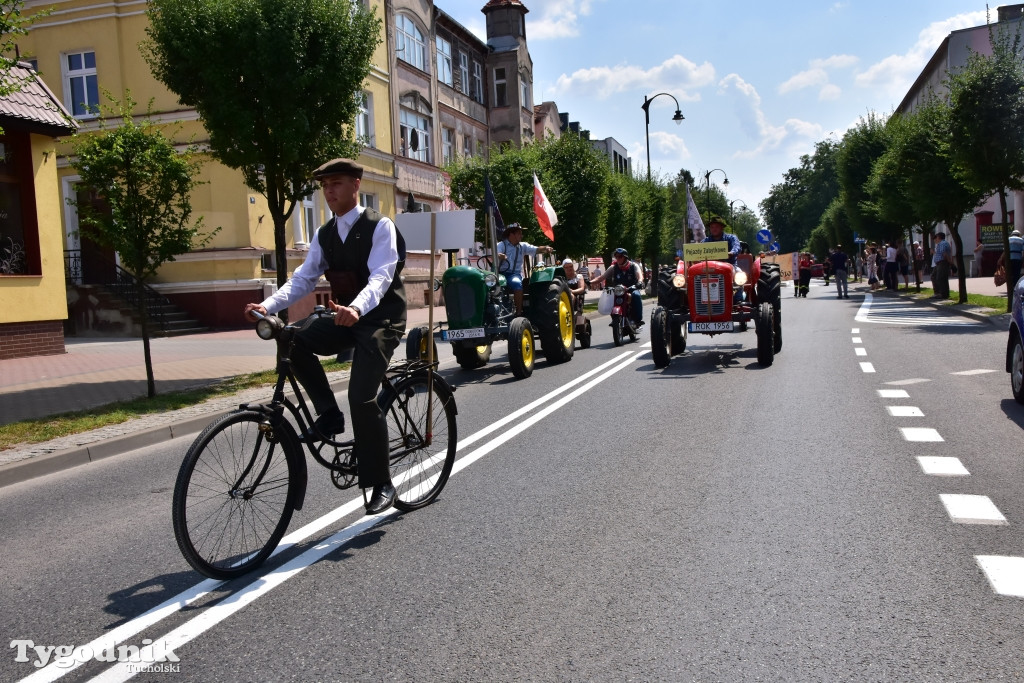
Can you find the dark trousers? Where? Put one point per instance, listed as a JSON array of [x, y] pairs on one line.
[[373, 347], [891, 275], [941, 279], [805, 282]]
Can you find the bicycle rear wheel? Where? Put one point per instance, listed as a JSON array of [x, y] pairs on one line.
[[421, 456], [234, 495]]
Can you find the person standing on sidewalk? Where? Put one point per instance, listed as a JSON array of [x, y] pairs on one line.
[[940, 266], [839, 260], [362, 254], [891, 273]]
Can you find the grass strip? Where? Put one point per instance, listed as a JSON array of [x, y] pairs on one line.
[[47, 428]]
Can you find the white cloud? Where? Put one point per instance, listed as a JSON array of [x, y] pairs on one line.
[[665, 147], [559, 19], [793, 134], [818, 77], [894, 74], [677, 74]]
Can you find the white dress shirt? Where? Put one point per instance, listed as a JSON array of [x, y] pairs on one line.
[[382, 263]]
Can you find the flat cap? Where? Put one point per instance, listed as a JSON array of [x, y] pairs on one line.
[[339, 167], [717, 219]]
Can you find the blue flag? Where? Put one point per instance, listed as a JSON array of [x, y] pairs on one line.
[[491, 205]]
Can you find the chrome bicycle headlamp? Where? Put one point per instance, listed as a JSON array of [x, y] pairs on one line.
[[269, 327]]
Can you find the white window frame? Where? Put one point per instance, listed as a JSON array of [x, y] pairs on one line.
[[91, 109], [478, 82], [304, 223], [500, 87], [410, 120], [447, 145], [467, 145], [524, 88], [364, 120], [464, 72], [368, 200], [444, 61], [409, 44]]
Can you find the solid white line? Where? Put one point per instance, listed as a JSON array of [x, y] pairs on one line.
[[920, 434], [268, 581], [893, 393], [1005, 574], [187, 597], [867, 367], [904, 411], [967, 509], [942, 467]]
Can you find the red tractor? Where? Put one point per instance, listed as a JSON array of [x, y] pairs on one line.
[[714, 297]]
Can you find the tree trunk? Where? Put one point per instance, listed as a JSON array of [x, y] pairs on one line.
[[1006, 249], [140, 292]]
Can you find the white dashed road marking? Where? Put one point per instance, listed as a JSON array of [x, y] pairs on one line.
[[942, 467], [867, 367], [860, 351], [905, 411], [967, 509], [893, 393], [902, 382], [972, 372], [920, 434], [1006, 574], [857, 340]]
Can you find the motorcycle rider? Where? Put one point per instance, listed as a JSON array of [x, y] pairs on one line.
[[627, 273]]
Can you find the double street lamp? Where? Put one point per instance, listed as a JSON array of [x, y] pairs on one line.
[[678, 118], [707, 188]]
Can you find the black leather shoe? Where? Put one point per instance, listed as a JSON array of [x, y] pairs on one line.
[[330, 422], [383, 497]]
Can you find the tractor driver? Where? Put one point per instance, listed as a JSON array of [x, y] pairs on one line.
[[511, 250], [627, 273], [718, 234]]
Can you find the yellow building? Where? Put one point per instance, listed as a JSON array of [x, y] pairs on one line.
[[86, 48], [32, 301]]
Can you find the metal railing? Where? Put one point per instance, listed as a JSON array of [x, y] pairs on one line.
[[122, 285]]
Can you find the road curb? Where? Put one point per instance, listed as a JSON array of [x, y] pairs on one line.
[[51, 463]]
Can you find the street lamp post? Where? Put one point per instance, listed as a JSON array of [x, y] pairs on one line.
[[707, 189], [678, 118], [732, 213]]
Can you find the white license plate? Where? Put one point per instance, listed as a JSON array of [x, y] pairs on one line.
[[469, 333], [710, 327]]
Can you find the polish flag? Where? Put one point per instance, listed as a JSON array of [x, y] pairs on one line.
[[545, 213]]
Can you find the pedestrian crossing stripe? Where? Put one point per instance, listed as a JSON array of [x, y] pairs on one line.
[[905, 313]]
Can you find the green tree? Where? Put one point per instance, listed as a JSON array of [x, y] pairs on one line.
[[986, 123], [144, 186], [860, 148], [276, 83], [794, 207], [919, 163]]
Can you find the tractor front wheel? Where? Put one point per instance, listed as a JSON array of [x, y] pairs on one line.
[[661, 338], [521, 347], [765, 326], [416, 344], [472, 357]]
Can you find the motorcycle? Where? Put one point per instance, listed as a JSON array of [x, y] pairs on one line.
[[622, 318]]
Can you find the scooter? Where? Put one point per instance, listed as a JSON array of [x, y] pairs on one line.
[[622, 319]]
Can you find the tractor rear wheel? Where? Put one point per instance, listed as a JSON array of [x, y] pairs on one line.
[[521, 347], [765, 327], [661, 338], [555, 323]]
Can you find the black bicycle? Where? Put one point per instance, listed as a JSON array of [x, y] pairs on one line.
[[245, 474]]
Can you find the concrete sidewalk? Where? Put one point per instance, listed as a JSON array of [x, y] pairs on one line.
[[97, 372]]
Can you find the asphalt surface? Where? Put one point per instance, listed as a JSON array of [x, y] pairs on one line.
[[96, 372]]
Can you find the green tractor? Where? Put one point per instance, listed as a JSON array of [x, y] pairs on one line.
[[481, 311]]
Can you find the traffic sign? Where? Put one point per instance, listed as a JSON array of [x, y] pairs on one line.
[[775, 246], [764, 236]]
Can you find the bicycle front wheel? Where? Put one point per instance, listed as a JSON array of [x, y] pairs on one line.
[[234, 495], [422, 454]]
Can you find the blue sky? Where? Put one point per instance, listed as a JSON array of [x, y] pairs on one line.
[[758, 82]]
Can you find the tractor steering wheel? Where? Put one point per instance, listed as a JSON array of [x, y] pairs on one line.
[[485, 262]]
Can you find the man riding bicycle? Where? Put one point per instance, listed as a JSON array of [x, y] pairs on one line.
[[361, 253]]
